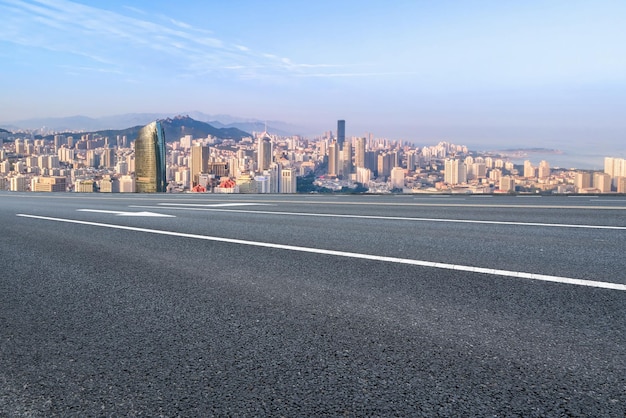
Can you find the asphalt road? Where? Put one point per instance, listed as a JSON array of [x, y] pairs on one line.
[[311, 305]]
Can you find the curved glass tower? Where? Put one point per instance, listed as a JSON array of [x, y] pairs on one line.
[[150, 159]]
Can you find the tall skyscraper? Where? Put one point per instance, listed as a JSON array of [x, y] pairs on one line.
[[341, 133], [199, 162], [333, 159], [346, 161], [264, 153], [359, 152], [150, 159]]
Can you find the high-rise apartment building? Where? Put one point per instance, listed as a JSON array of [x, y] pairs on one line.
[[582, 180], [150, 159], [507, 184], [529, 170], [544, 170], [346, 161], [385, 164], [333, 159], [455, 172], [397, 178], [602, 182], [108, 158], [359, 152]]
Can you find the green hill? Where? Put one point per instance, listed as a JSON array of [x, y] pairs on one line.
[[175, 128]]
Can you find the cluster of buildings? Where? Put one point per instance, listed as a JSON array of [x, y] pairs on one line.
[[264, 163]]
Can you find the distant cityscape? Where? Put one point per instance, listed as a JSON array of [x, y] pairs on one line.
[[270, 163]]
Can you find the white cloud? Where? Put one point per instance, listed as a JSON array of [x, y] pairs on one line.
[[129, 40]]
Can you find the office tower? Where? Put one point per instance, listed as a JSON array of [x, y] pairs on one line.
[[341, 133], [48, 184], [218, 168], [199, 162], [455, 172], [288, 181], [264, 153], [274, 177], [150, 159]]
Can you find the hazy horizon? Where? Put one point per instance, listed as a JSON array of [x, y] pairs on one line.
[[478, 73]]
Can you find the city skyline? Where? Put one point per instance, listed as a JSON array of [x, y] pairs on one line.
[[474, 73]]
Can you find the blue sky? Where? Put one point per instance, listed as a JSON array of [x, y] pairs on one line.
[[516, 73]]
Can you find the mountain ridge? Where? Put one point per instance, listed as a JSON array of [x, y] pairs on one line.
[[126, 120], [174, 128]]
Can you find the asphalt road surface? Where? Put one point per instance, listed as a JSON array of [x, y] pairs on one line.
[[312, 305]]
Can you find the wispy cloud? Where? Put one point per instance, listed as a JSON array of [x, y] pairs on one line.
[[140, 40], [364, 74]]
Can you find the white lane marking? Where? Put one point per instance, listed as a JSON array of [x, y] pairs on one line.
[[136, 214], [421, 263], [218, 205], [171, 206]]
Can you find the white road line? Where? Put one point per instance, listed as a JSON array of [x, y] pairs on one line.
[[215, 205], [171, 206], [134, 214], [421, 263]]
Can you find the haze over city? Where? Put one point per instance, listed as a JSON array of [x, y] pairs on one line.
[[485, 74]]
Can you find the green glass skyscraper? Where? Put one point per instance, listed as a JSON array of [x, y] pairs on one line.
[[150, 159]]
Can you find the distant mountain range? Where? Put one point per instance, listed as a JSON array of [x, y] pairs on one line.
[[122, 122], [175, 128]]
